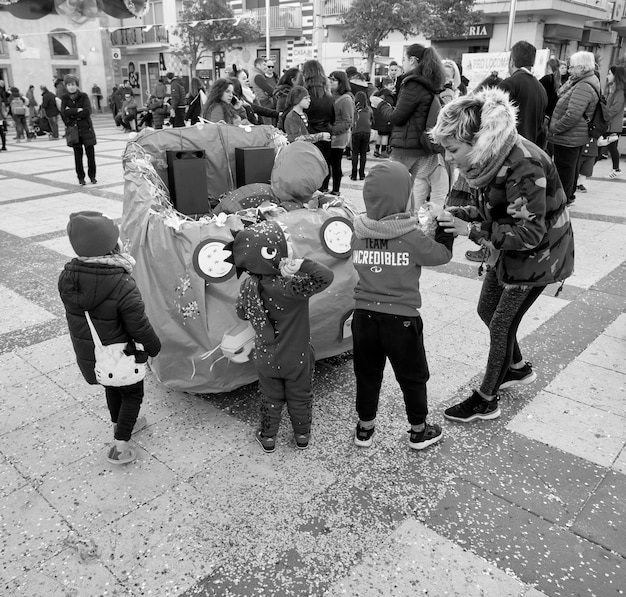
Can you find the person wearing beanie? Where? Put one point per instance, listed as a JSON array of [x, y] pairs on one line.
[[388, 252], [99, 281], [274, 298], [76, 114]]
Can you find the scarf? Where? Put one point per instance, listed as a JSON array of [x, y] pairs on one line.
[[251, 303], [392, 226], [479, 175], [124, 260]]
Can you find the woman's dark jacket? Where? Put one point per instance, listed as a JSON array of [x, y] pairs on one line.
[[382, 124], [71, 116], [408, 118], [115, 306], [321, 114]]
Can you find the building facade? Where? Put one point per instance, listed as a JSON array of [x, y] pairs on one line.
[[106, 50]]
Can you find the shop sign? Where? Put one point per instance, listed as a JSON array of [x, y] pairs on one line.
[[478, 66], [116, 53], [302, 54]]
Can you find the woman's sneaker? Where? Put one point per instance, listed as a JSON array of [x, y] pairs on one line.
[[363, 437], [519, 377], [267, 443], [120, 452], [615, 174], [430, 435], [475, 407]]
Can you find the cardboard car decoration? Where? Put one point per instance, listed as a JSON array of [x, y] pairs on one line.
[[189, 290]]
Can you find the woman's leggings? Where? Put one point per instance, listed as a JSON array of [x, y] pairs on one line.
[[614, 153], [502, 310], [336, 153]]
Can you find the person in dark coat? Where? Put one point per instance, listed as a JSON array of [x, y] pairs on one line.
[[321, 112], [290, 78], [99, 282], [76, 111], [382, 126], [177, 95], [526, 92], [49, 107], [424, 78]]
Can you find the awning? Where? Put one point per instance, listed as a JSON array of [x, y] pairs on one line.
[[562, 33]]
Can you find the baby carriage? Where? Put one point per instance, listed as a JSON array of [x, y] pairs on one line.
[[40, 127], [144, 118]]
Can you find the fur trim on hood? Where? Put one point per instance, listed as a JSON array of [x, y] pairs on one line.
[[498, 118]]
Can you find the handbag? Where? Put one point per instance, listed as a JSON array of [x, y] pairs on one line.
[[71, 135], [115, 364]]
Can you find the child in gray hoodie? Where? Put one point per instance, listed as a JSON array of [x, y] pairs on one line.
[[388, 252]]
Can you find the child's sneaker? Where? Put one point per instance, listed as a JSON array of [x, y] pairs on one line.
[[428, 436], [475, 407], [140, 424], [519, 377], [302, 440], [120, 452], [363, 437], [267, 443]]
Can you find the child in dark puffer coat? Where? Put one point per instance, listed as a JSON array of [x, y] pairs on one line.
[[99, 281], [361, 130]]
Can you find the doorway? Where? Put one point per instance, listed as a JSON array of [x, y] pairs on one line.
[[148, 78]]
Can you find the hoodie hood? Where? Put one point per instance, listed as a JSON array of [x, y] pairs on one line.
[[497, 123], [386, 190]]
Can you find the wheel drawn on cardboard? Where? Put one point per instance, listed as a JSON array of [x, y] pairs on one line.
[[209, 261], [336, 237]]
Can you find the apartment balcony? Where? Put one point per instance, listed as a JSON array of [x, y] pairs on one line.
[[334, 8], [285, 21], [141, 38], [592, 9]]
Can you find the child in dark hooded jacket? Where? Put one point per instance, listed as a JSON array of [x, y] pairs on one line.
[[99, 282], [388, 252]]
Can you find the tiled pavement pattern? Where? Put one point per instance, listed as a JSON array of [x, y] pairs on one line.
[[528, 505]]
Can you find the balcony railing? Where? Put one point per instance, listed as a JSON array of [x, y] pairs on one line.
[[599, 4], [335, 7], [340, 7], [282, 18], [134, 36]]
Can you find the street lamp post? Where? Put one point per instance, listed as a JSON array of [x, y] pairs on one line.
[[509, 31], [267, 29]]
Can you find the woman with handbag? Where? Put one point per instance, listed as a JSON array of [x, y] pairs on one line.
[[76, 114], [104, 306], [424, 78]]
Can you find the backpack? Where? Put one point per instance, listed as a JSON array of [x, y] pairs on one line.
[[599, 122], [18, 107], [431, 120]]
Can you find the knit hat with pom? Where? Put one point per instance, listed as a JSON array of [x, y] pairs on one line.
[[92, 234]]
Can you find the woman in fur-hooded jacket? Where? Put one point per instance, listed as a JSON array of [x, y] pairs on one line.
[[520, 215]]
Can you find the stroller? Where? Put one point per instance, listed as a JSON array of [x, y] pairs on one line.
[[40, 126], [144, 118]]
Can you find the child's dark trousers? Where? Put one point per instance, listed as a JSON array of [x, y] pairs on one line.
[[124, 404], [378, 336], [360, 144]]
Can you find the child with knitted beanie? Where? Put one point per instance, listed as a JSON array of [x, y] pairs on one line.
[[388, 252], [99, 282]]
